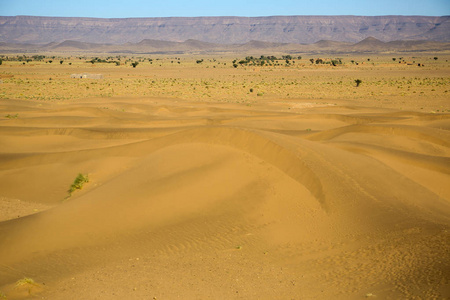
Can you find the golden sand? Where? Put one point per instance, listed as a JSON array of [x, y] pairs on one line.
[[334, 195]]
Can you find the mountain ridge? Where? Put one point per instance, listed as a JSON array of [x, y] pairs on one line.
[[224, 30]]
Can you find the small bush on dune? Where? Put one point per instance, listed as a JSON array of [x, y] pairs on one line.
[[9, 116], [27, 283], [78, 183]]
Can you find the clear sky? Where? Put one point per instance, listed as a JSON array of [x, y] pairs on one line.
[[193, 8]]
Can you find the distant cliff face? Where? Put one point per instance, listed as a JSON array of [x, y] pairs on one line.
[[225, 30]]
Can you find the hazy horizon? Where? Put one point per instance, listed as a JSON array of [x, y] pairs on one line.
[[227, 16], [232, 8]]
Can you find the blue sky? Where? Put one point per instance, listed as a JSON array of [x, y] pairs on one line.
[[193, 8]]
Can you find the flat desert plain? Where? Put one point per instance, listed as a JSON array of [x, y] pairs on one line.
[[206, 181]]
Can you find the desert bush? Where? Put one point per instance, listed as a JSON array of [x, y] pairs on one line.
[[28, 282], [25, 281], [9, 116], [78, 183], [135, 64], [358, 82], [336, 62]]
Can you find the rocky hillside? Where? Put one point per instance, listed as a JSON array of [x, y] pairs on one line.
[[224, 30]]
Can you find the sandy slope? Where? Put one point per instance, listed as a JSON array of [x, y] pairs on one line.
[[195, 200]]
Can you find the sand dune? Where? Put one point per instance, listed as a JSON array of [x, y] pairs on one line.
[[209, 200]]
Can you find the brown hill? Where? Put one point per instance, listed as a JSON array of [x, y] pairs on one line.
[[368, 44], [372, 44], [330, 44], [199, 45], [155, 44], [194, 46], [74, 45], [261, 45], [224, 30]]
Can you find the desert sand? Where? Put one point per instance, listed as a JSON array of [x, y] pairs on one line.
[[326, 191]]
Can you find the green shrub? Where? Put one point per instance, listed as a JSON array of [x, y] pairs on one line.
[[78, 183], [28, 283], [9, 116], [25, 281]]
